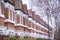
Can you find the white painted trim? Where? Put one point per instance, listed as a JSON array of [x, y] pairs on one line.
[[9, 14], [30, 28], [27, 33], [22, 14], [7, 20], [17, 33], [30, 19], [20, 33], [12, 15], [35, 35], [19, 25], [19, 12], [10, 32], [9, 6], [41, 26], [31, 34], [26, 26], [3, 28], [38, 35], [36, 30], [11, 28], [2, 16]]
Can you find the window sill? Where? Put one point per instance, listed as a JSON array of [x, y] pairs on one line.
[[7, 20], [2, 16]]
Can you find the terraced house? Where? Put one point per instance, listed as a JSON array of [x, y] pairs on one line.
[[16, 20]]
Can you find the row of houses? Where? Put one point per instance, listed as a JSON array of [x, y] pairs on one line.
[[17, 20]]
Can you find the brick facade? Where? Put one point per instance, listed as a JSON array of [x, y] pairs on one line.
[[21, 21], [2, 21]]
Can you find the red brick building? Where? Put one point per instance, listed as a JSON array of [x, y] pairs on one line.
[[17, 20]]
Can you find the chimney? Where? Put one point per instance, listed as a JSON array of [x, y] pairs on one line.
[[30, 13], [25, 8], [18, 4]]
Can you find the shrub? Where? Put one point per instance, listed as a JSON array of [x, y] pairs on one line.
[[27, 38], [40, 39], [12, 38]]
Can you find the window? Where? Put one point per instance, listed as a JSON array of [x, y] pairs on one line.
[[30, 24], [6, 13], [11, 15], [15, 17], [18, 19], [34, 26], [23, 20], [2, 8]]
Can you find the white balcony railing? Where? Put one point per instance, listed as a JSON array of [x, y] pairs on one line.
[[2, 30], [10, 32], [21, 33]]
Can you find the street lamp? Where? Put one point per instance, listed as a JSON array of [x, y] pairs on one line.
[[48, 15]]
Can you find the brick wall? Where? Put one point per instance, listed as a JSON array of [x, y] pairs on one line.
[[9, 25], [19, 28], [1, 21]]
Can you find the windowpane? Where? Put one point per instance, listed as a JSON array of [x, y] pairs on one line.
[[11, 16], [6, 13], [2, 8]]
